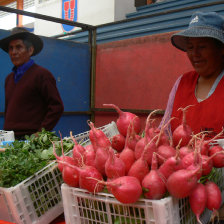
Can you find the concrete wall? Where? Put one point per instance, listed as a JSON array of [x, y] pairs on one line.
[[89, 12], [122, 8]]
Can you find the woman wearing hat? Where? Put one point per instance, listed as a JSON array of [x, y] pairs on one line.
[[203, 41], [32, 100]]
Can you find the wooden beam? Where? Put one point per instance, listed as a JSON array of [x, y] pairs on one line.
[[6, 2]]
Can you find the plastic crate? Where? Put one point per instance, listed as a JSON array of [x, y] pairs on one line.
[[6, 136], [82, 207], [185, 213], [110, 130], [38, 199]]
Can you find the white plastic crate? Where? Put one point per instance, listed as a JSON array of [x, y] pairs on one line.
[[110, 130], [38, 199], [82, 207], [6, 136], [185, 213]]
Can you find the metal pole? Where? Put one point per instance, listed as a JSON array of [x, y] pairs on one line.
[[92, 42], [48, 18]]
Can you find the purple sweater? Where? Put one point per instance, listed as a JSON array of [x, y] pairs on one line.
[[33, 103]]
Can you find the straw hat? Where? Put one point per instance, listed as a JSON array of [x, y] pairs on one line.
[[202, 24], [22, 33]]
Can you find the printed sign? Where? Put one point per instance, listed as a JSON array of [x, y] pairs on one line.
[[69, 12]]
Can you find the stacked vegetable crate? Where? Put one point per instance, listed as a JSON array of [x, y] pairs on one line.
[[38, 199], [82, 207]]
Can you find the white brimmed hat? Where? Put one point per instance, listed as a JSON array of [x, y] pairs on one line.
[[202, 24], [22, 33]]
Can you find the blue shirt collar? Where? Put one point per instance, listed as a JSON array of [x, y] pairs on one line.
[[19, 71]]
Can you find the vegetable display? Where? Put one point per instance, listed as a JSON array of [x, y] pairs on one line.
[[22, 159], [131, 165], [151, 164]]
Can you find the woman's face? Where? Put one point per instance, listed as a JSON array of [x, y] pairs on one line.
[[205, 55]]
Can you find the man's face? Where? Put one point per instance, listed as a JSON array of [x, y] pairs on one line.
[[18, 52]]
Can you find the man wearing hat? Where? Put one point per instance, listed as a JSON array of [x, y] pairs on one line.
[[203, 42], [32, 100]]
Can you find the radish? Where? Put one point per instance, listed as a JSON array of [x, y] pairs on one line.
[[140, 145], [63, 158], [87, 174], [206, 144], [162, 137], [148, 150], [89, 155], [133, 137], [193, 161], [89, 177], [207, 165], [127, 155], [218, 160], [114, 166], [181, 183], [140, 167], [101, 157], [162, 147], [183, 131], [184, 150], [166, 151], [125, 189], [70, 176], [152, 183], [214, 197], [118, 142], [188, 160], [194, 167], [171, 165], [98, 137], [193, 157], [124, 120], [198, 200], [77, 151], [139, 148], [207, 162]]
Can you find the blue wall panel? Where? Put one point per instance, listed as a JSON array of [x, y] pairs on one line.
[[69, 62]]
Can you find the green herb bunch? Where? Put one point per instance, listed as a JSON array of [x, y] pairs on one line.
[[22, 159]]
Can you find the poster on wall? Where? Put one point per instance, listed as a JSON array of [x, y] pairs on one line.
[[69, 12]]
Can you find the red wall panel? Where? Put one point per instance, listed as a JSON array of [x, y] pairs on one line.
[[137, 73]]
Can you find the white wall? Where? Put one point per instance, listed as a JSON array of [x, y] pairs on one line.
[[123, 7], [95, 12], [49, 8], [92, 12]]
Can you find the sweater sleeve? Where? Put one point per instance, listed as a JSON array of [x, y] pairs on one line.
[[54, 103]]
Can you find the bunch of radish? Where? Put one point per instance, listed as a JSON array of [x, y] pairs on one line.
[[146, 162]]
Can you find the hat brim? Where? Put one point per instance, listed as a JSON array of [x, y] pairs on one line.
[[179, 40], [34, 39]]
